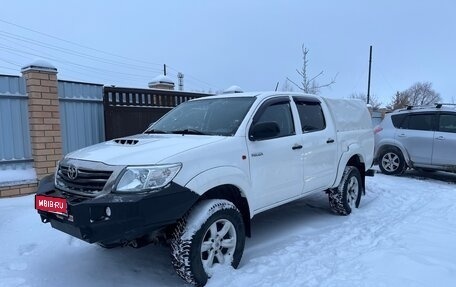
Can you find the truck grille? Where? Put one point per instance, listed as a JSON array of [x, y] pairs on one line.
[[88, 182]]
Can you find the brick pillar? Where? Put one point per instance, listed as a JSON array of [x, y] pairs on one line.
[[43, 104]]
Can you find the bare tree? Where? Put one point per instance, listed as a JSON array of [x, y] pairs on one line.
[[309, 84], [373, 99], [286, 87], [399, 100], [420, 93]]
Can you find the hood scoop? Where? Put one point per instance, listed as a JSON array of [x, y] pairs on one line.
[[126, 141]]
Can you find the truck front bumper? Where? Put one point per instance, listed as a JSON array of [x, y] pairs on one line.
[[117, 217]]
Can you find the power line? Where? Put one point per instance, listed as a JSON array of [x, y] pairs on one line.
[[15, 51], [29, 59], [89, 69], [76, 44], [85, 55], [75, 74], [8, 36], [11, 63], [196, 79], [379, 69], [8, 68]]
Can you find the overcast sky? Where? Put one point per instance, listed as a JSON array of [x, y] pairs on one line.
[[253, 44]]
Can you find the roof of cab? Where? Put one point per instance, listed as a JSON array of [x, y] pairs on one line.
[[259, 95]]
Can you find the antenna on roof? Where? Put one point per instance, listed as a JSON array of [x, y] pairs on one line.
[[276, 87]]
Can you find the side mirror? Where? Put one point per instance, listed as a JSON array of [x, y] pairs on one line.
[[263, 131]]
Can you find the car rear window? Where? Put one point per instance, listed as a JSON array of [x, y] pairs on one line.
[[398, 119], [447, 123]]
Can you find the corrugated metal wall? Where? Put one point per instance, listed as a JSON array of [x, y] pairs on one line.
[[15, 150], [81, 114]]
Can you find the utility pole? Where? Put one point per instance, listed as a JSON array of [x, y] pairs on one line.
[[369, 78], [164, 69]]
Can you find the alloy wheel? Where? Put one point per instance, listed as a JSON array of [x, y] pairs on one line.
[[218, 245]]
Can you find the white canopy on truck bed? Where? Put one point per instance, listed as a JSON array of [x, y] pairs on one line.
[[349, 114]]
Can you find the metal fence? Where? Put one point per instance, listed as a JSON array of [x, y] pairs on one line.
[[81, 114], [129, 111], [15, 149], [81, 119]]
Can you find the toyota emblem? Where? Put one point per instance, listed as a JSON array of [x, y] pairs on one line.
[[72, 172]]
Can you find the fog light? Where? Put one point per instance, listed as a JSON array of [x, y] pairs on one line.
[[108, 211]]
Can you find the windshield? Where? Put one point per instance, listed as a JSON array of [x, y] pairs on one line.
[[220, 116]]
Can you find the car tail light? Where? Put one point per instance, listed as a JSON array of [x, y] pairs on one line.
[[378, 129]]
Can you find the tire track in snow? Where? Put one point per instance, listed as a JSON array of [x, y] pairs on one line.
[[328, 256]]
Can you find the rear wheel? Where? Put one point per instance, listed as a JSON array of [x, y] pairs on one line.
[[211, 234], [347, 195], [392, 161]]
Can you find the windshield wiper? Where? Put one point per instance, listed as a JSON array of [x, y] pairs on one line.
[[155, 132], [188, 132]]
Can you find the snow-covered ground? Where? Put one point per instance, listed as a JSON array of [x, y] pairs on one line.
[[404, 234]]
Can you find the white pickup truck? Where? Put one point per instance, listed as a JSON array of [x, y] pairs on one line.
[[201, 172]]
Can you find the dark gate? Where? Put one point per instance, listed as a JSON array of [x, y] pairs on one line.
[[130, 111]]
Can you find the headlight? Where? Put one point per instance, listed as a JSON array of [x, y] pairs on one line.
[[146, 178]]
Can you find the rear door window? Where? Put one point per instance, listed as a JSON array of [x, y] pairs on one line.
[[447, 123], [311, 116], [421, 122]]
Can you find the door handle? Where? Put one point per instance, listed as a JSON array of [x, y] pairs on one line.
[[296, 146], [330, 141], [401, 135], [440, 138]]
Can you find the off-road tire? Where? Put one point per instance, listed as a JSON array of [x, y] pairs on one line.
[[341, 198], [187, 238]]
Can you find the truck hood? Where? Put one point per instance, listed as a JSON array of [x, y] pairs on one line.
[[142, 149]]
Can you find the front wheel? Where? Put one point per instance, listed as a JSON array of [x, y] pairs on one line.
[[211, 234], [347, 195]]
